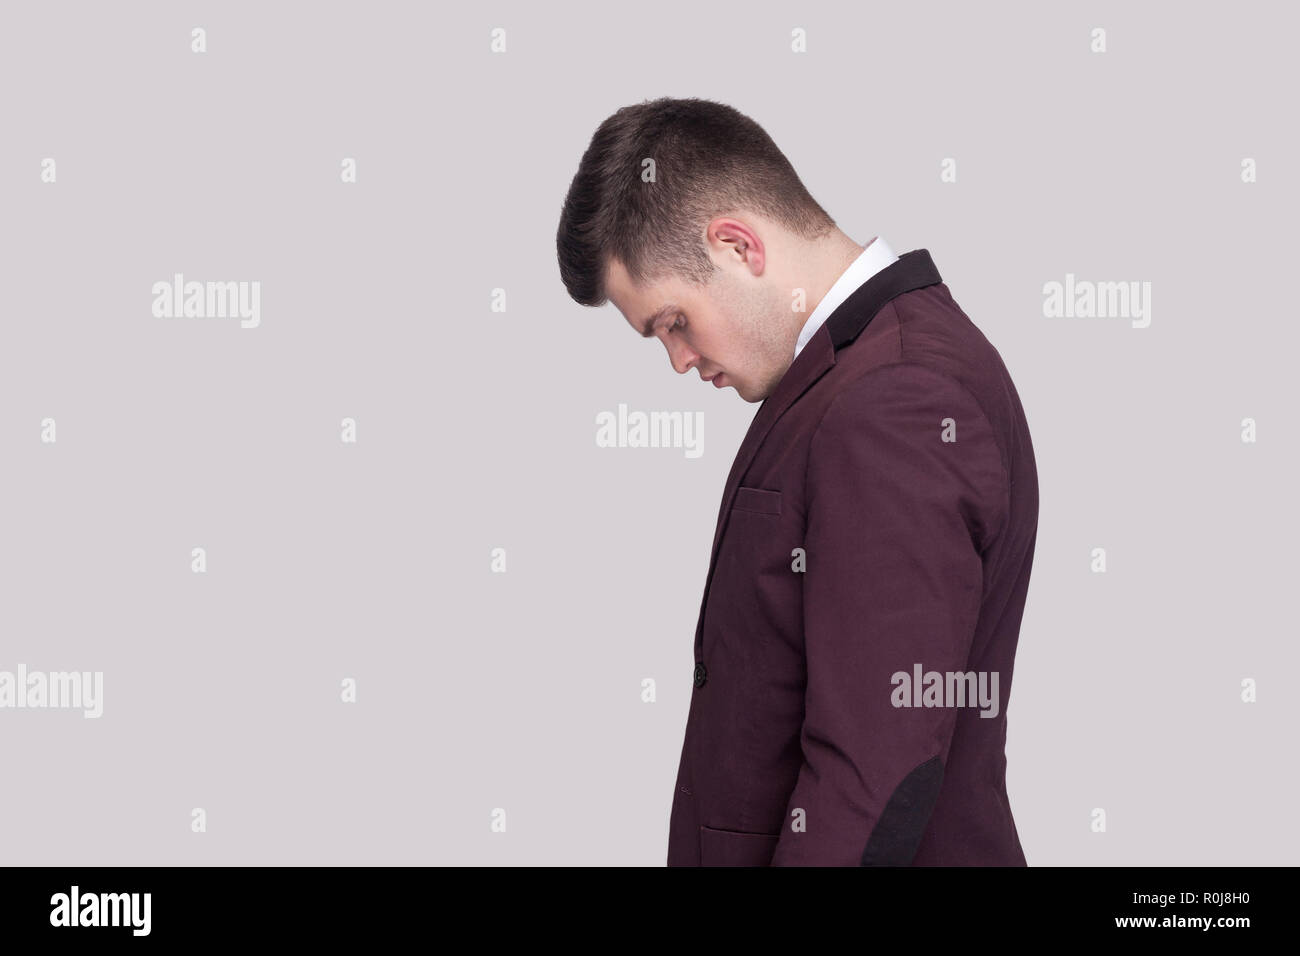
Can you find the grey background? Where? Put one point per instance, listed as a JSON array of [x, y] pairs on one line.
[[476, 429]]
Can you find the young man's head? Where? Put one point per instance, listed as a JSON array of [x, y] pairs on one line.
[[687, 217]]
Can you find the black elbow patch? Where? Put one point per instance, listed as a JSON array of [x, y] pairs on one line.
[[898, 832]]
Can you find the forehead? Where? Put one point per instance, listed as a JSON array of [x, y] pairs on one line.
[[619, 284], [637, 302]]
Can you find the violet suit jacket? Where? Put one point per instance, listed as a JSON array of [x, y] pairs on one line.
[[916, 555]]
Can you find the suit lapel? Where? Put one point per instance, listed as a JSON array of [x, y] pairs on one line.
[[812, 362], [913, 270]]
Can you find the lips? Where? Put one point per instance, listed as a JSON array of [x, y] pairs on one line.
[[717, 380]]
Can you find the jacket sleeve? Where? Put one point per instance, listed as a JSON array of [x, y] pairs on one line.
[[898, 517]]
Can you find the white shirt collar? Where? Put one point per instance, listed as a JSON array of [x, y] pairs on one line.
[[871, 260]]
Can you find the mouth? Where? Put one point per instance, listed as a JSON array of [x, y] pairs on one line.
[[716, 379]]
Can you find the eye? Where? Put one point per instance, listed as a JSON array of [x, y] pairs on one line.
[[678, 323]]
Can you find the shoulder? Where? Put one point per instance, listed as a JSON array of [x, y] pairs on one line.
[[900, 391]]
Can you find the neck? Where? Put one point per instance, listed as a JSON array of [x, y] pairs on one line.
[[828, 261]]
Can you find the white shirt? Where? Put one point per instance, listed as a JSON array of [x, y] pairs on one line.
[[872, 259]]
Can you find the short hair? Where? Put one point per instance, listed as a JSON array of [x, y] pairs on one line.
[[709, 160]]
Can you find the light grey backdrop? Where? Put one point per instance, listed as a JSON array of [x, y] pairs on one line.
[[523, 690]]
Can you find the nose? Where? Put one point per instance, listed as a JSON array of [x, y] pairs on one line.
[[683, 358]]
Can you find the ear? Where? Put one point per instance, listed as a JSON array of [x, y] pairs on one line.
[[731, 241]]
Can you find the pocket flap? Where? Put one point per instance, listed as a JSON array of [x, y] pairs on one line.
[[758, 500], [735, 848]]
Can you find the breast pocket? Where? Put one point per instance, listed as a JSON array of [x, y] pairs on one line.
[[757, 500]]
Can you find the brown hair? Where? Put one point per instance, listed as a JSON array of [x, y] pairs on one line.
[[709, 160]]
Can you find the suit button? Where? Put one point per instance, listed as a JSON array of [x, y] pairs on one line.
[[700, 674]]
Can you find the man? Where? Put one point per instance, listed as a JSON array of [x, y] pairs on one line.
[[855, 644]]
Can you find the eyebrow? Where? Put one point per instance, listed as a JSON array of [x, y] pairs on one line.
[[647, 327]]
